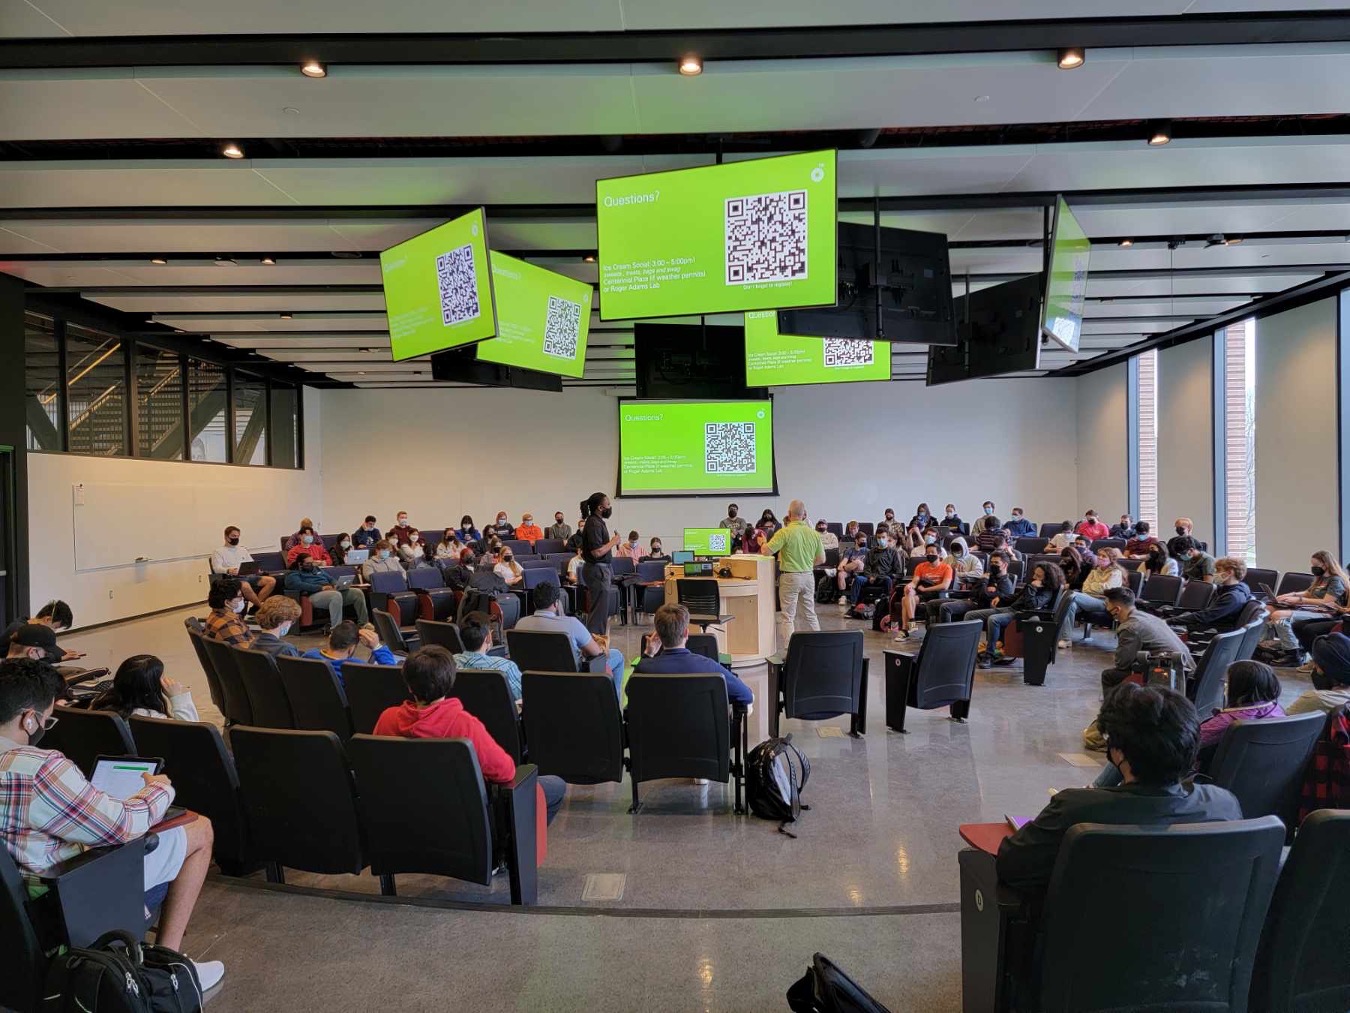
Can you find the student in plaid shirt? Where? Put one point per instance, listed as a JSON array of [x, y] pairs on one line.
[[49, 813], [226, 599]]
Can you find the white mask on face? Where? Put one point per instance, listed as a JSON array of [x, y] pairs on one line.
[[283, 629], [237, 605], [346, 543]]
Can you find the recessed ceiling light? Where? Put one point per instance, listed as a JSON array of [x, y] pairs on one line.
[[313, 68], [1127, 243], [1235, 241], [1071, 57], [232, 150], [691, 65], [158, 260], [589, 258], [269, 262], [1160, 133], [225, 262], [287, 316], [360, 372]]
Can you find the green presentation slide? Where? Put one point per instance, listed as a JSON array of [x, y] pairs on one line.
[[1063, 321], [438, 288], [774, 360], [542, 318], [691, 448], [708, 541], [752, 235]]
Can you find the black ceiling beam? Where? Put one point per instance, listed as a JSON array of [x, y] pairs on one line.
[[819, 42]]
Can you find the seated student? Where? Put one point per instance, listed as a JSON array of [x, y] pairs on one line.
[[449, 547], [58, 618], [921, 519], [1183, 527], [1076, 566], [276, 617], [1317, 601], [1330, 676], [574, 565], [433, 714], [548, 617], [399, 533], [664, 652], [631, 548], [654, 553], [1196, 564], [227, 604], [310, 546], [475, 632], [49, 812], [467, 532], [991, 536], [1062, 539], [852, 560], [1126, 529], [1083, 544], [487, 578], [313, 580], [559, 530], [34, 641], [1037, 595], [736, 525], [828, 539], [1230, 598], [1159, 564], [342, 545], [459, 571], [766, 518], [851, 532], [383, 559], [1091, 527], [502, 527], [1019, 526], [1138, 545], [293, 540], [881, 568], [951, 519], [527, 530], [931, 577], [508, 569], [1138, 632], [415, 552], [229, 557], [887, 521], [989, 594], [963, 562], [1153, 736], [987, 508], [367, 534], [1253, 694], [1091, 600], [343, 642], [140, 687]]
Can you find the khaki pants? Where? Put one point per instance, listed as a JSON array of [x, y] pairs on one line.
[[797, 592]]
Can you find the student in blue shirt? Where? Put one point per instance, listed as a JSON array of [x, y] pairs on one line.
[[549, 618], [1019, 526], [342, 644], [367, 534], [664, 653]]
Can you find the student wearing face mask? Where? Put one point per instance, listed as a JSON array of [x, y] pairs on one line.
[[467, 532], [342, 545], [735, 523], [310, 547], [227, 605], [384, 558], [1019, 526], [952, 519], [449, 547], [931, 577], [655, 552], [597, 549], [963, 562], [559, 529], [1091, 600], [312, 580], [275, 619], [990, 593], [367, 534], [631, 548], [1159, 563], [502, 527], [1091, 527], [1183, 528], [887, 519], [398, 534], [293, 540], [527, 530], [227, 560], [882, 568], [414, 552], [922, 517], [987, 508], [828, 539], [852, 561], [508, 569]]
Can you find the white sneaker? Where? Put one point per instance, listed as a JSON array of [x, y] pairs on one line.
[[209, 973], [1064, 645], [842, 600]]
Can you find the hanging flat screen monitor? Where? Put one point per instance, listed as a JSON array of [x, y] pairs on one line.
[[438, 288], [1066, 288], [695, 448], [691, 361], [542, 319], [1000, 333], [773, 360], [912, 278], [752, 235]]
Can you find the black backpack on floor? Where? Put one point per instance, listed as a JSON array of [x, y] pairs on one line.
[[776, 772], [825, 988], [119, 975]]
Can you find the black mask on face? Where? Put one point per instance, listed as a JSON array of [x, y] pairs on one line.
[[607, 513], [35, 737], [1180, 530], [931, 558], [233, 539], [1319, 571], [731, 512]]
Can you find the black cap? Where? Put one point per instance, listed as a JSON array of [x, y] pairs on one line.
[[36, 635]]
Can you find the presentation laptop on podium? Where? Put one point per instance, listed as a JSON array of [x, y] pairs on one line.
[[708, 543]]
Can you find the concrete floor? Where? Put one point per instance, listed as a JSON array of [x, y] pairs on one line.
[[717, 912]]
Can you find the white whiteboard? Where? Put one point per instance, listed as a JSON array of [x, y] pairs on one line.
[[121, 525]]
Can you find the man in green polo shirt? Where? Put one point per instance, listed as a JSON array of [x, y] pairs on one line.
[[799, 553]]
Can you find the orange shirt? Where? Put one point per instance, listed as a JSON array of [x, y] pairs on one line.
[[529, 533], [936, 572]]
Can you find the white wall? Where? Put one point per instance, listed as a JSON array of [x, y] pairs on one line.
[[1296, 435], [260, 500], [1103, 480], [848, 452], [1186, 438]]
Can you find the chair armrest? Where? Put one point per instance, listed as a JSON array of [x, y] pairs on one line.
[[72, 866], [97, 891], [520, 803], [599, 664]]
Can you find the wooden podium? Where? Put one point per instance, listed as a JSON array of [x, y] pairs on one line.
[[748, 596]]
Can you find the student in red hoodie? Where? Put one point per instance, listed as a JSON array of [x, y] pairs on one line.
[[433, 714]]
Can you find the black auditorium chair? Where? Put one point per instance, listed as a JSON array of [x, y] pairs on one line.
[[1048, 531], [648, 587], [204, 780], [623, 570], [453, 831], [942, 674], [1205, 686], [549, 546], [236, 710], [573, 726], [270, 562], [706, 645], [532, 579], [1160, 589], [1256, 576], [533, 563], [371, 690], [82, 736], [443, 634], [1251, 639], [435, 601], [1030, 544], [486, 695], [1263, 763], [266, 694], [703, 598], [560, 560], [1195, 595], [299, 800], [519, 546], [198, 640], [823, 676], [1301, 964], [395, 637], [679, 726], [318, 700], [1294, 582], [548, 652], [1109, 543], [95, 892]]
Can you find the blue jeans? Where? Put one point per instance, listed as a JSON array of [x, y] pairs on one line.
[[997, 623], [1077, 602], [615, 664], [554, 790], [861, 581], [1109, 777]]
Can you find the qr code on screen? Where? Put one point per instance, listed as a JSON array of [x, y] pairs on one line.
[[848, 352], [719, 543], [459, 285], [729, 448], [562, 328], [766, 237]]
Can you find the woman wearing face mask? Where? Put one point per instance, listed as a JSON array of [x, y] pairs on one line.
[[1091, 600], [341, 545], [1159, 563], [414, 554], [1318, 601], [449, 547], [227, 605], [467, 532], [952, 519], [654, 552], [276, 618], [310, 546], [140, 687], [508, 569], [383, 559], [922, 515], [1075, 566], [631, 548], [503, 528]]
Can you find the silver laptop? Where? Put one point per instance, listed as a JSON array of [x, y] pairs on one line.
[[344, 582], [357, 556]]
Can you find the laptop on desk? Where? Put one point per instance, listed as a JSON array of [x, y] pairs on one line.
[[248, 569], [344, 582], [357, 556]]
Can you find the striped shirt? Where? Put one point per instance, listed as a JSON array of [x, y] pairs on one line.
[[476, 659], [49, 813], [222, 624]]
